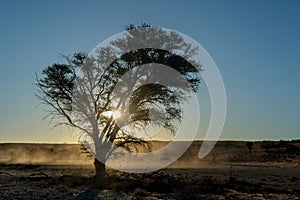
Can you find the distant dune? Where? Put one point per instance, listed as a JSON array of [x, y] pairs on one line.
[[224, 151]]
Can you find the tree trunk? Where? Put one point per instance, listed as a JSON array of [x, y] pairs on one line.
[[100, 173]]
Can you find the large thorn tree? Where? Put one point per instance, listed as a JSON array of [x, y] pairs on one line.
[[108, 105]]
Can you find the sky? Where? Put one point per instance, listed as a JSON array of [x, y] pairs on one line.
[[255, 44]]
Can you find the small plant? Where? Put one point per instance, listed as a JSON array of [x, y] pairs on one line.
[[250, 147], [214, 156], [231, 175], [266, 145]]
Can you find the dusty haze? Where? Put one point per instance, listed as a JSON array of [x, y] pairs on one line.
[[224, 151]]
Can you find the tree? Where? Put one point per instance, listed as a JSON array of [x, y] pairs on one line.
[[109, 100]]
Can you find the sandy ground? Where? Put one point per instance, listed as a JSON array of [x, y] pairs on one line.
[[212, 181], [230, 171]]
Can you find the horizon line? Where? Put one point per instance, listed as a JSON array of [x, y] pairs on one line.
[[221, 140]]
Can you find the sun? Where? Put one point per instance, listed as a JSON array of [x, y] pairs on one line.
[[116, 114]]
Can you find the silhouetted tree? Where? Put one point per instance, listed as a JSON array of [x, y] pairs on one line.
[[81, 92]]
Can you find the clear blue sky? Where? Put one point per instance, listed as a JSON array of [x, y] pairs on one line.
[[255, 44]]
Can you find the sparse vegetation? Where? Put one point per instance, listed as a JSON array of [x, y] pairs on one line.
[[249, 146], [244, 176], [214, 156]]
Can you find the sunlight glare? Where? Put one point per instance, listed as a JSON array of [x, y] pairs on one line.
[[116, 114]]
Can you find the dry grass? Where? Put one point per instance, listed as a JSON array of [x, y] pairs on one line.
[[270, 170]]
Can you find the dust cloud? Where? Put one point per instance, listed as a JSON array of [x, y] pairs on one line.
[[223, 152], [72, 154], [47, 154]]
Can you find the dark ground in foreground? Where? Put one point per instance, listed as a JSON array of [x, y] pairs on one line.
[[213, 181], [233, 170]]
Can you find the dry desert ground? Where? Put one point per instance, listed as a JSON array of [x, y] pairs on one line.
[[233, 170]]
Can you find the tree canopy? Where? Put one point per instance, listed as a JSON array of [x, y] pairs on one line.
[[86, 90]]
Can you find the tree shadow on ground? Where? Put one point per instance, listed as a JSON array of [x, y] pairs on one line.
[[90, 194]]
